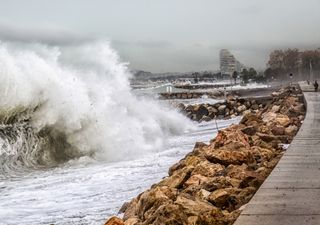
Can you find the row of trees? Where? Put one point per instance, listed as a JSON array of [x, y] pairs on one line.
[[248, 74], [284, 62]]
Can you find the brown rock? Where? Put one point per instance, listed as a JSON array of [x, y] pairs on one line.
[[226, 157], [196, 180], [262, 154], [192, 205], [230, 134], [132, 221], [205, 168], [131, 209], [215, 183], [283, 120], [151, 200], [249, 130], [267, 137], [275, 108], [114, 221], [291, 130], [178, 178], [251, 119], [236, 171], [278, 130], [255, 106], [241, 108]]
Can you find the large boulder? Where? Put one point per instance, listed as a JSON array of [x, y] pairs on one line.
[[205, 168], [114, 221], [201, 111], [278, 130], [291, 130], [221, 109], [282, 120], [226, 157], [178, 178], [249, 130], [230, 134], [151, 200], [241, 108]]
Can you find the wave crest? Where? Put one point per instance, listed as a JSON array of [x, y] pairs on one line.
[[63, 103]]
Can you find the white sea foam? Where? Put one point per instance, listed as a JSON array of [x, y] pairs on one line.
[[83, 93]]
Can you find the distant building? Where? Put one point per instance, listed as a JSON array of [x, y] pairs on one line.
[[228, 63]]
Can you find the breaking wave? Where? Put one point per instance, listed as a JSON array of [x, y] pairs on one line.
[[58, 104]]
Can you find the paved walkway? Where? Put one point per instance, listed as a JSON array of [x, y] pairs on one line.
[[291, 194]]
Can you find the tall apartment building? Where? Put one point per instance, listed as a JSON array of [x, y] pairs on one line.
[[228, 63]]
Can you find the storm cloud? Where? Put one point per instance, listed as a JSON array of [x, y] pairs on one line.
[[168, 35]]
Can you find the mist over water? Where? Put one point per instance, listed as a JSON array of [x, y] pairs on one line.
[[58, 104]]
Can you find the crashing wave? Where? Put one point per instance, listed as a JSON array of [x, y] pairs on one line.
[[58, 104]]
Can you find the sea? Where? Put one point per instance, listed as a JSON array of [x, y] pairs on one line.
[[76, 142]]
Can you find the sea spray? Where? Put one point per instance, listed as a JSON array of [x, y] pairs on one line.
[[64, 103]]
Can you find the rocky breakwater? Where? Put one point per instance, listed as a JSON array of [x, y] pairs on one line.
[[224, 110], [212, 183]]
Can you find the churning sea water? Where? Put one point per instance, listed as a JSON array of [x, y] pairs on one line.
[[75, 142], [86, 192]]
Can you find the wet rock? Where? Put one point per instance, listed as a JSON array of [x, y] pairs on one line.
[[178, 178], [212, 109], [196, 180], [151, 200], [251, 119], [241, 108], [206, 118], [222, 108], [249, 130], [123, 207], [291, 130], [282, 120], [114, 221], [278, 130], [132, 221], [205, 168], [131, 209], [275, 108], [230, 135], [255, 106], [201, 111], [267, 137], [226, 157]]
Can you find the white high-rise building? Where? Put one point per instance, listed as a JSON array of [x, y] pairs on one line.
[[228, 63]]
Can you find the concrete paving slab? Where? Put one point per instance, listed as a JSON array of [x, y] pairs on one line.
[[279, 219]]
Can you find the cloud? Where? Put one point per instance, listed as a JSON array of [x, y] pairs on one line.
[[143, 44], [49, 36]]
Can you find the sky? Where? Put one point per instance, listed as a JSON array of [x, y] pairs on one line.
[[168, 35]]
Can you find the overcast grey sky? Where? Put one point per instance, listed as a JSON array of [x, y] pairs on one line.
[[168, 35]]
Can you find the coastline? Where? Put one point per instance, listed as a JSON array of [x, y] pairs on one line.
[[213, 182]]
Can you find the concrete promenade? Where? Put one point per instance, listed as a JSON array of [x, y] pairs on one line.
[[291, 194]]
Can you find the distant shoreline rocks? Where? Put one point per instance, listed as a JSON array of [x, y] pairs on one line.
[[224, 110], [212, 183]]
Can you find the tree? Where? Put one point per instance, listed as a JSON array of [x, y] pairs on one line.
[[311, 59], [252, 73], [235, 76], [283, 62], [245, 76]]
